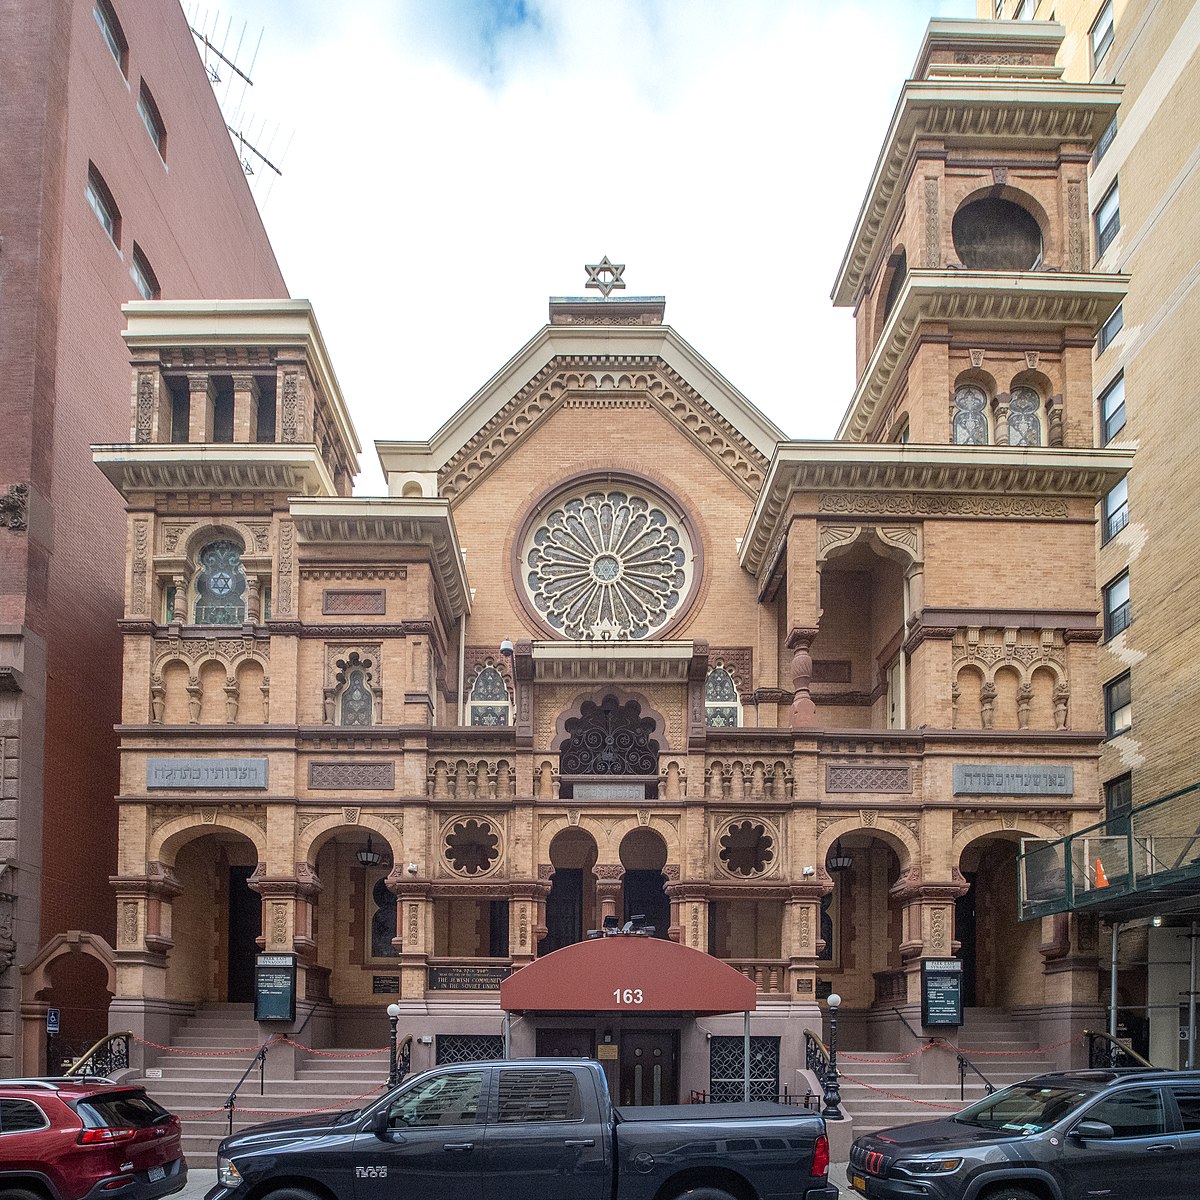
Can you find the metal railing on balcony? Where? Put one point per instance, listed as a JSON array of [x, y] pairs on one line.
[[1145, 860]]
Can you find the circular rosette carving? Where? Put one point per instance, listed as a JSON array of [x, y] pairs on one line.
[[747, 848], [608, 564], [472, 846]]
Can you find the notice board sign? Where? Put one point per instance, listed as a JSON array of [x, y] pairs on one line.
[[467, 979], [275, 987], [941, 991]]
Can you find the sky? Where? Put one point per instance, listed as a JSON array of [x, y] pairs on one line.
[[448, 165]]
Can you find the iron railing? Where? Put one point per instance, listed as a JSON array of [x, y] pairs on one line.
[[816, 1055], [109, 1055], [1106, 1051]]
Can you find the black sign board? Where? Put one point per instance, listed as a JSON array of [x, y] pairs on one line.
[[467, 979], [275, 987], [941, 991], [385, 985]]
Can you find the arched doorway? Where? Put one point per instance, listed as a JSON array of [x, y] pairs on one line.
[[216, 920], [643, 854], [571, 905]]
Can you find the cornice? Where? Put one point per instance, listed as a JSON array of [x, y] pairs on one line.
[[987, 299], [389, 522], [290, 470], [905, 480], [994, 112], [632, 662]]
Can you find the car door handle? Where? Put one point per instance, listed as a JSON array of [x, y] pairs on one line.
[[1159, 1149], [458, 1146], [580, 1142]]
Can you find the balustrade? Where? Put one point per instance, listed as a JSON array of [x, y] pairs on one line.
[[748, 779], [470, 779], [769, 975]]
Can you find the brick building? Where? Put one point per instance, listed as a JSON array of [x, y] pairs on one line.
[[1144, 193], [117, 180], [613, 646]]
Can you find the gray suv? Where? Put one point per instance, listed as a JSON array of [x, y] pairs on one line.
[[1074, 1135]]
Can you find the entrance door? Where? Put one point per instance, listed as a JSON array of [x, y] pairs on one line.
[[649, 1068], [964, 933], [566, 1043], [245, 927], [564, 910]]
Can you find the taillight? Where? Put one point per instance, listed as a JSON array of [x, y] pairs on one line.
[[105, 1137], [820, 1164]]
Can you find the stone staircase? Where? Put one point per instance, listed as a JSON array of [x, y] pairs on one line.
[[197, 1081], [865, 1085]]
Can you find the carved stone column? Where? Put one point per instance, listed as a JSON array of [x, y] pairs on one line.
[[528, 900], [804, 711], [1000, 407], [233, 699], [927, 929], [802, 935], [413, 932], [245, 408], [287, 911], [610, 887], [689, 910], [202, 407], [195, 699], [253, 600], [179, 613]]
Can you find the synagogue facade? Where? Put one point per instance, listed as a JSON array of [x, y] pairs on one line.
[[614, 649]]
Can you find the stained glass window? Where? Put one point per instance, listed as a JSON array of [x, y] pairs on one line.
[[383, 921], [1024, 421], [221, 585], [970, 416], [489, 703], [721, 708], [357, 700]]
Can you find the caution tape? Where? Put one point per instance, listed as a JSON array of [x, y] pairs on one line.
[[897, 1096]]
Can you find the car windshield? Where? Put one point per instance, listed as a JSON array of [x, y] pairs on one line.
[[1024, 1108]]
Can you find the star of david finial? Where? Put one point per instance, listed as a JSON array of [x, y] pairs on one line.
[[605, 276]]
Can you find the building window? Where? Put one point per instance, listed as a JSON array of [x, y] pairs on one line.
[[1102, 34], [1024, 419], [1118, 706], [383, 920], [142, 274], [103, 204], [1108, 220], [721, 707], [355, 695], [1118, 797], [1110, 329], [1116, 511], [489, 703], [1116, 606], [114, 36], [1106, 140], [970, 416], [152, 119], [221, 585], [1112, 409]]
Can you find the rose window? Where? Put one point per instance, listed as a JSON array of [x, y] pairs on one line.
[[471, 847], [608, 564], [746, 848]]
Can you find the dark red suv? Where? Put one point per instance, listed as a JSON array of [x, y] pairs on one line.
[[66, 1139]]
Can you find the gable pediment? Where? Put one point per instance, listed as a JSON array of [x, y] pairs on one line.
[[626, 369]]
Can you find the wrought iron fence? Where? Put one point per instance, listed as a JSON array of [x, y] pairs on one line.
[[468, 1047]]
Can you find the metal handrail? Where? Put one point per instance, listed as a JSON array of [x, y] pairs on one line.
[[259, 1060], [117, 1058], [816, 1055], [965, 1065], [1112, 1051], [905, 1022], [403, 1057]]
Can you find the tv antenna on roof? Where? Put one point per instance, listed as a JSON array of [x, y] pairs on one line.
[[221, 54]]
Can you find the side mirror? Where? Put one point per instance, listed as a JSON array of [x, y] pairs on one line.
[[379, 1122], [1092, 1130]]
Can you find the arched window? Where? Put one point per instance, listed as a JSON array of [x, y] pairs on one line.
[[1024, 417], [970, 416], [356, 698], [221, 585], [489, 703], [721, 707]]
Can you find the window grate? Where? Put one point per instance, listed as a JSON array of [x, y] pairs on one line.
[[468, 1047], [726, 1064]]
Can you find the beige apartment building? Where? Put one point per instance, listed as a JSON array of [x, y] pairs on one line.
[[1144, 189], [614, 649]]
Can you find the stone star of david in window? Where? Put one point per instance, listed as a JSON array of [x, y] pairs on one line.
[[605, 276]]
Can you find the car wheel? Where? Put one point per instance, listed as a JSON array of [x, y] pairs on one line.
[[1010, 1192]]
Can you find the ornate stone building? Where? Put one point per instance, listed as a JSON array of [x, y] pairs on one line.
[[613, 647]]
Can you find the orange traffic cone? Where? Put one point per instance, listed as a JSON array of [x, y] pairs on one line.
[[1101, 878]]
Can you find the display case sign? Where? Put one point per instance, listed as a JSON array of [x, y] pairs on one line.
[[275, 987], [941, 991], [467, 979]]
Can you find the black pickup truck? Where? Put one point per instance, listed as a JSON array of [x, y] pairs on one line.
[[532, 1129]]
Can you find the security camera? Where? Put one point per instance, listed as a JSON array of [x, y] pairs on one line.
[[506, 648], [808, 871], [412, 868]]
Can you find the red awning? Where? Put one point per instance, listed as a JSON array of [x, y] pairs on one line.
[[628, 975]]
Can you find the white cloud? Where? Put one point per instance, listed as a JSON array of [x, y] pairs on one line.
[[454, 164]]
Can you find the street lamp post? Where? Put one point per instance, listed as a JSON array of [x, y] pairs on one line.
[[393, 1012], [833, 1093]]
